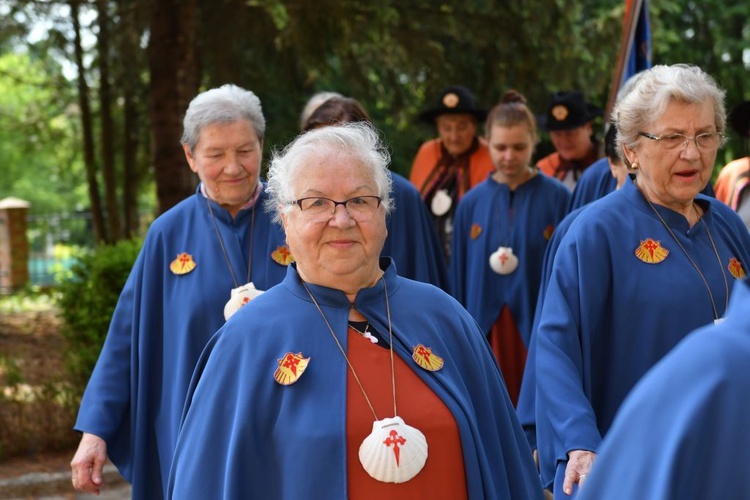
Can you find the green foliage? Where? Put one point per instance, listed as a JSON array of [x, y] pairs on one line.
[[39, 148], [87, 300], [30, 299], [392, 55]]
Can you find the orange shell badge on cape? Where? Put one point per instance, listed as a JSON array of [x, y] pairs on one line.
[[736, 269], [548, 232], [183, 264], [291, 367], [282, 255], [476, 230], [650, 251], [426, 359]]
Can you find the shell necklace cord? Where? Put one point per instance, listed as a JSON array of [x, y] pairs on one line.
[[502, 260], [243, 293], [716, 252], [394, 452]]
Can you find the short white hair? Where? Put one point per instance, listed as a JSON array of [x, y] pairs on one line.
[[357, 139]]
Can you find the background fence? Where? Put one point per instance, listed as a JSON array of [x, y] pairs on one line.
[[52, 240]]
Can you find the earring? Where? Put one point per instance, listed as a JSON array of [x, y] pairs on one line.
[[634, 165]]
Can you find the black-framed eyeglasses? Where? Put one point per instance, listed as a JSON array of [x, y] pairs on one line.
[[319, 208], [706, 141]]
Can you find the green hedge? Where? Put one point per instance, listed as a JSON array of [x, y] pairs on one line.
[[88, 296]]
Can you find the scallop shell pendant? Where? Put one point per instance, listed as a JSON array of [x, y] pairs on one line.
[[240, 296], [441, 203], [393, 452], [502, 261]]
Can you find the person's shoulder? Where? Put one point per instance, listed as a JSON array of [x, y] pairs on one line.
[[402, 185], [553, 184], [177, 216], [426, 294], [551, 160], [722, 211], [596, 170], [735, 166]]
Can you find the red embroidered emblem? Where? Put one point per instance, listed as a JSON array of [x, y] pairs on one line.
[[291, 367], [735, 268], [650, 251], [548, 232], [426, 359], [183, 264], [282, 255], [476, 230]]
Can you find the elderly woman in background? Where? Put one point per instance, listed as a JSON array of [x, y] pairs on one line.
[[200, 261], [637, 270], [412, 241], [347, 381], [500, 233], [447, 167]]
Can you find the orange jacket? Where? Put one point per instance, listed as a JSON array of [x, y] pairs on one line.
[[733, 178], [552, 163], [480, 164]]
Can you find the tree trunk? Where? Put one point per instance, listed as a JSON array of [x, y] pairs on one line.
[[107, 125], [131, 176], [97, 218], [174, 82]]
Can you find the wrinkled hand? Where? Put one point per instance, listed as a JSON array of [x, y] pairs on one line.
[[88, 462], [579, 464]]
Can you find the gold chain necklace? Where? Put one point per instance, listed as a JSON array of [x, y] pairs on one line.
[[343, 352], [716, 252], [393, 452]]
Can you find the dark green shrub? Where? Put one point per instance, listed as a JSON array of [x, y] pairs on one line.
[[88, 296]]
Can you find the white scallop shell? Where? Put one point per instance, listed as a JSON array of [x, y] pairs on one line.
[[502, 261], [393, 452], [240, 296], [441, 203]]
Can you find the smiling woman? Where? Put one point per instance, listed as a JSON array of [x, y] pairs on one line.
[[201, 260], [346, 379]]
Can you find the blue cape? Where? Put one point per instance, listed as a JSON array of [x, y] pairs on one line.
[[682, 432], [526, 406], [246, 436], [595, 182], [161, 324], [490, 216], [412, 241], [608, 316]]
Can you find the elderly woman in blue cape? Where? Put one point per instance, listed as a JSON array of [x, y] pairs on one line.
[[200, 261], [347, 380], [637, 270]]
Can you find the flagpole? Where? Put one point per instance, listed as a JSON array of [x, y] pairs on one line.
[[632, 11]]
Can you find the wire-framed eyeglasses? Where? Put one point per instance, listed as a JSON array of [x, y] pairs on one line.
[[319, 208], [706, 141]]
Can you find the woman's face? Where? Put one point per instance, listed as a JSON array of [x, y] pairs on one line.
[[457, 132], [227, 159], [339, 252], [510, 150], [573, 144], [672, 178]]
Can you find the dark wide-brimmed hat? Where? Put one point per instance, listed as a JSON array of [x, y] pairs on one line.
[[454, 100], [739, 119], [568, 110]]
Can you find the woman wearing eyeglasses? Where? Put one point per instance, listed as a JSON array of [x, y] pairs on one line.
[[347, 381], [637, 271]]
